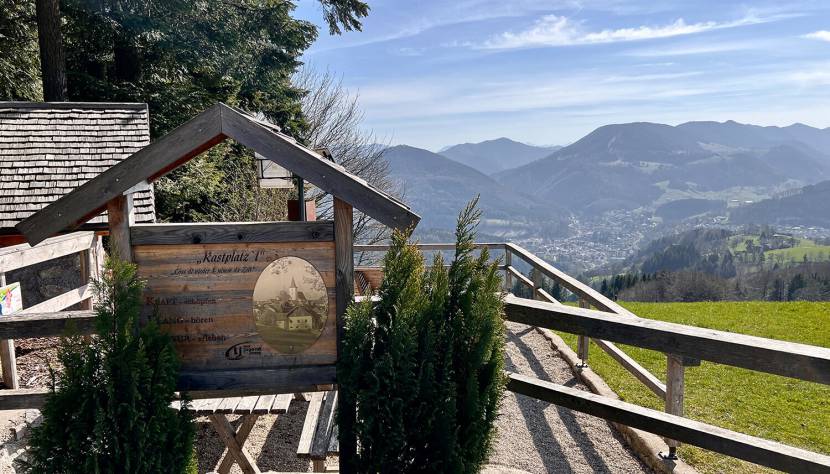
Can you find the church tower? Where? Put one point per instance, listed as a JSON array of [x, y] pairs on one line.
[[292, 291]]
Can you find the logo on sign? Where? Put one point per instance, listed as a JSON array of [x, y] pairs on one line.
[[242, 350]]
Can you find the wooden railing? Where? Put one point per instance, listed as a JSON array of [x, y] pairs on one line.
[[683, 345], [87, 244]]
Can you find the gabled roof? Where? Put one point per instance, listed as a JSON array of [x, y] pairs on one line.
[[48, 149], [195, 136]]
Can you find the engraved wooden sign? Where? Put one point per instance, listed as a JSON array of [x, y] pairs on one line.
[[235, 307]]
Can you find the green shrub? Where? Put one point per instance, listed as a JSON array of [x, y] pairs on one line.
[[421, 370], [109, 411]]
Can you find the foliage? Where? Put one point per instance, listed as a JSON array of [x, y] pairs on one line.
[[19, 63], [109, 411], [421, 370], [769, 406], [180, 58]]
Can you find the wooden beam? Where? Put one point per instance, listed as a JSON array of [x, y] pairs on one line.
[[315, 169], [344, 267], [428, 247], [647, 378], [119, 212], [231, 232], [675, 391], [547, 296], [738, 445], [789, 359], [20, 326], [310, 424], [61, 302], [226, 432], [23, 255], [156, 159], [254, 381], [522, 278], [575, 286], [24, 398], [8, 358]]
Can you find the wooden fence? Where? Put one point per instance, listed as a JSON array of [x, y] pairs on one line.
[[88, 245], [683, 346]]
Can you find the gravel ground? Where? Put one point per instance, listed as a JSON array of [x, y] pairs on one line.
[[539, 437]]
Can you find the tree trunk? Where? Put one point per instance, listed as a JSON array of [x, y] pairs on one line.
[[52, 57]]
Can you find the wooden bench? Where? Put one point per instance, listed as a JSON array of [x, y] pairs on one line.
[[318, 439]]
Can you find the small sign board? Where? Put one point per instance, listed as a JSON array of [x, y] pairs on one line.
[[11, 298]]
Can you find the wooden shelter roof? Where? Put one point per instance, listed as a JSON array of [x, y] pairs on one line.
[[195, 136], [48, 149]]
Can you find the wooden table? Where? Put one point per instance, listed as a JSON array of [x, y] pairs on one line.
[[317, 441]]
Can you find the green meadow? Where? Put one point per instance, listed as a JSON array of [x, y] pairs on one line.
[[768, 406]]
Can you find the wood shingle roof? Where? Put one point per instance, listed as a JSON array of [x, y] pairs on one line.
[[49, 149]]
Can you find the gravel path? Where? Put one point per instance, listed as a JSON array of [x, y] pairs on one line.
[[539, 437]]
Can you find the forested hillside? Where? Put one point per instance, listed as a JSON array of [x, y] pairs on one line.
[[757, 263]]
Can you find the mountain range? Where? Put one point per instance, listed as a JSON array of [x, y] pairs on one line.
[[674, 171], [492, 156], [628, 166]]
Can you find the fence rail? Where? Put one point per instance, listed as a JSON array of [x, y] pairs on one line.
[[683, 346], [15, 257]]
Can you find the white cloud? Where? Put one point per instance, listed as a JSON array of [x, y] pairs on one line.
[[553, 30], [821, 35], [693, 49]]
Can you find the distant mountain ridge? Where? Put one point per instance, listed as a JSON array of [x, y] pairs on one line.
[[437, 188], [807, 206], [627, 166], [492, 156]]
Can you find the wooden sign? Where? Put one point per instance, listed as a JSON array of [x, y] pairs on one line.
[[236, 304]]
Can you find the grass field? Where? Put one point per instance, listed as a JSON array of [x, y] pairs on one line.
[[768, 406], [813, 251]]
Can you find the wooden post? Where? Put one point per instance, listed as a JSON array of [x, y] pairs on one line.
[[120, 214], [583, 341], [508, 277], [89, 269], [7, 356], [344, 269], [675, 384]]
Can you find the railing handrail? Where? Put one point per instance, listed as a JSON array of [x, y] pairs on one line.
[[790, 359], [24, 255], [429, 247]]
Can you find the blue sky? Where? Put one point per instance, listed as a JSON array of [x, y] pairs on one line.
[[432, 73]]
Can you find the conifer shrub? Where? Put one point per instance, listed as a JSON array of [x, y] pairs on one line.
[[109, 410], [421, 371]]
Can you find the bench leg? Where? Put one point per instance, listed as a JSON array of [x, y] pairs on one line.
[[319, 465], [235, 448]]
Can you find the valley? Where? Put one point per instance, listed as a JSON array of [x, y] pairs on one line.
[[593, 203]]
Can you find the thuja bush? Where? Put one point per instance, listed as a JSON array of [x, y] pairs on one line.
[[109, 409], [421, 369]]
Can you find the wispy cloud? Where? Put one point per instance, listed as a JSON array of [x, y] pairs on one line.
[[693, 49], [821, 35], [554, 30]]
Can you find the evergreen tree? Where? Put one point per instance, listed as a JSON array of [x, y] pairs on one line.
[[109, 411], [421, 370]]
